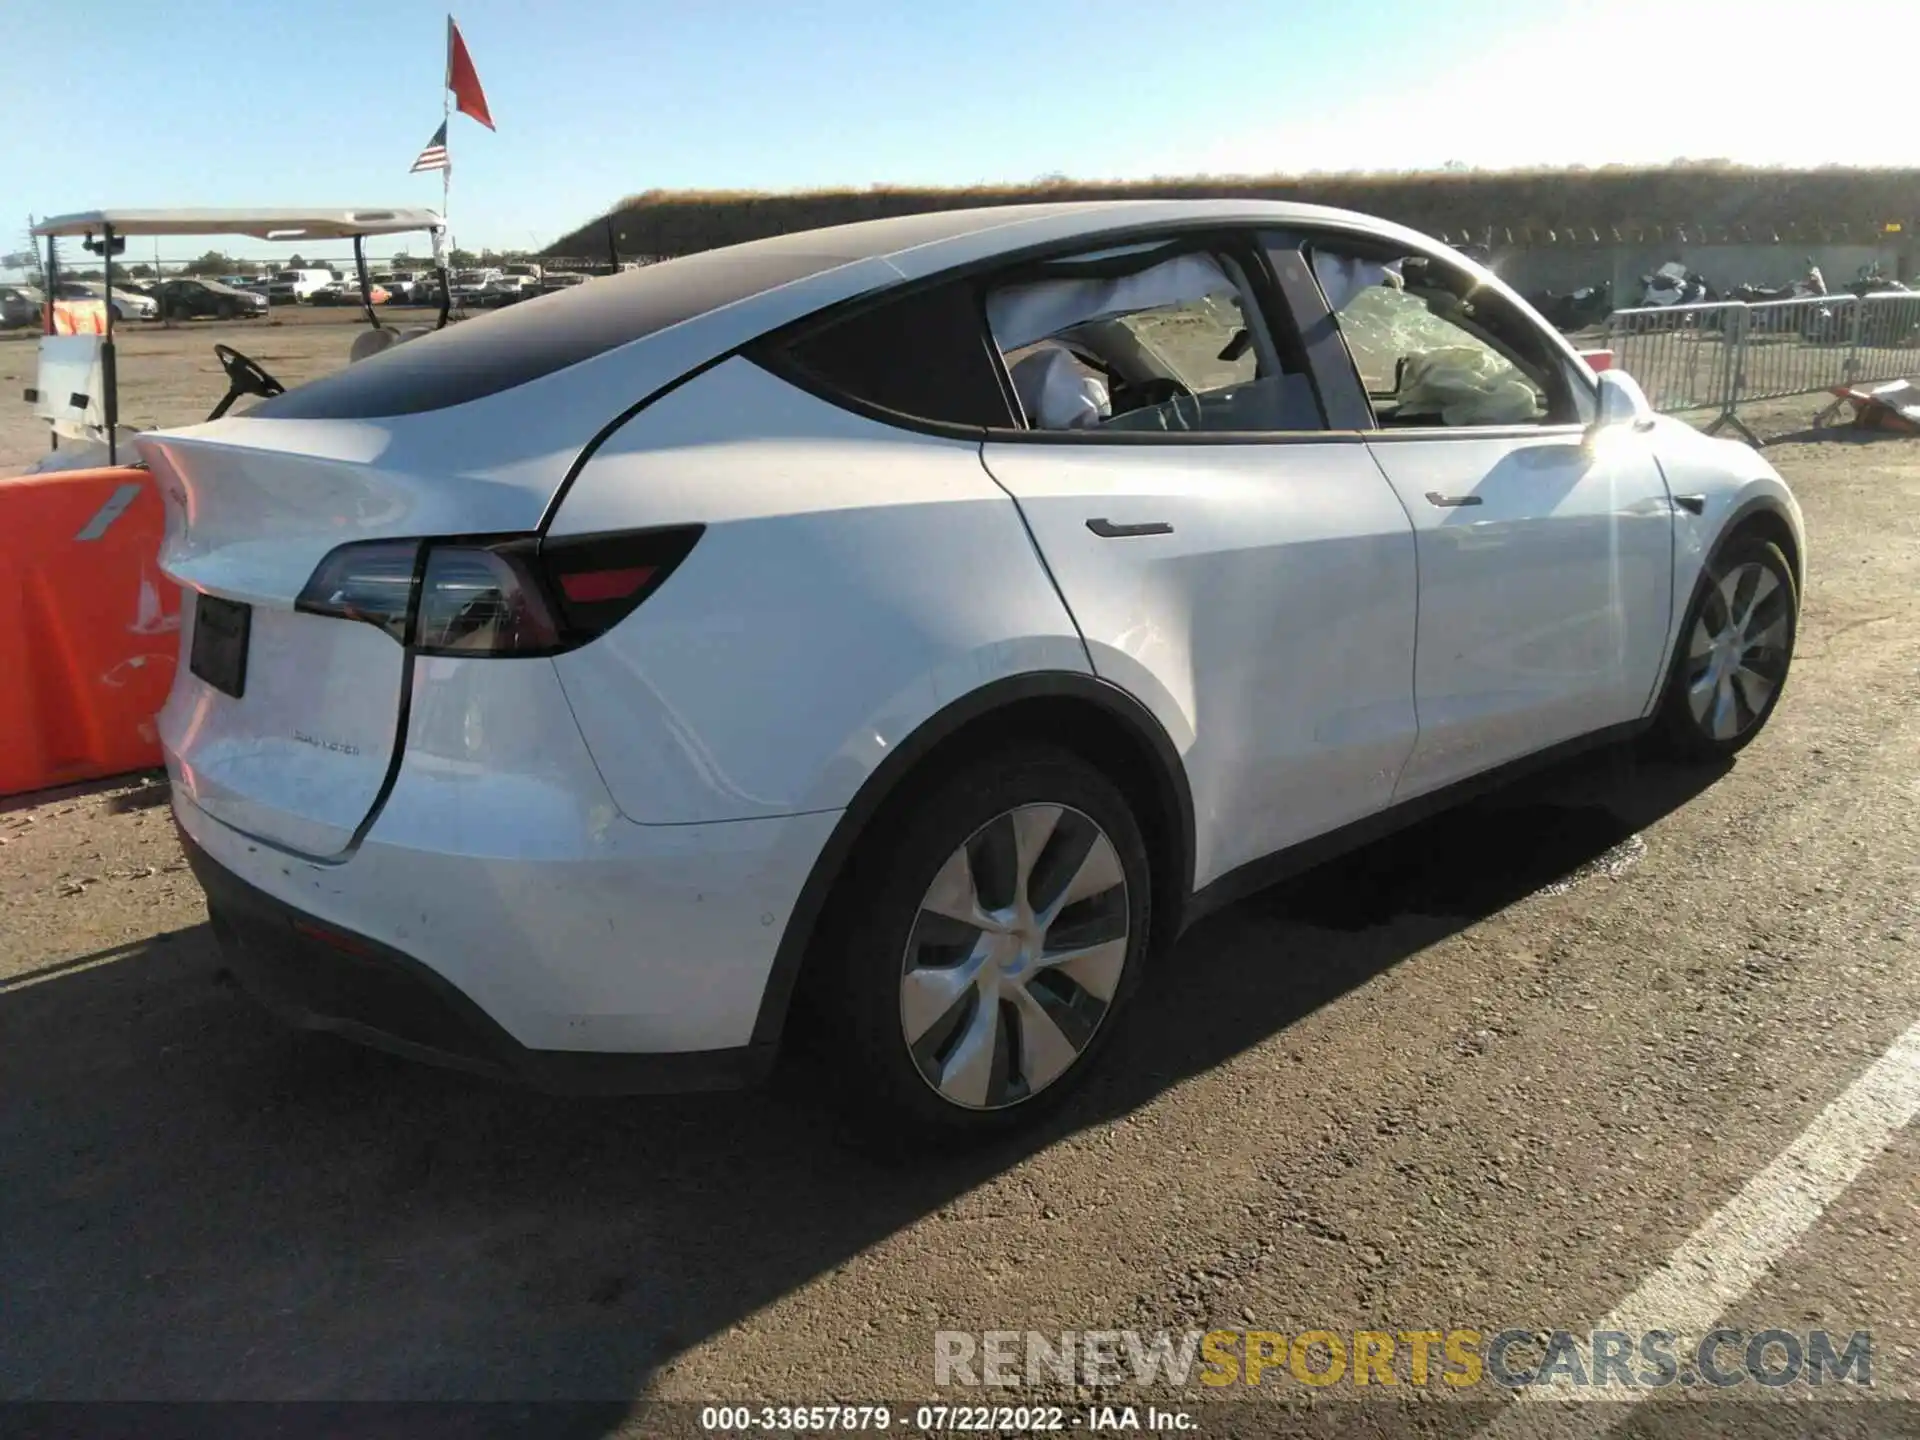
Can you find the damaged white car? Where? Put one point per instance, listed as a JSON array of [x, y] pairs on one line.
[[899, 632]]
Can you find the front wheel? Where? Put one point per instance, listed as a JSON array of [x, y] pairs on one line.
[[1735, 648], [983, 940]]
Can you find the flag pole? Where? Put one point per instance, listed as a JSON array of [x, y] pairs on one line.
[[446, 121], [443, 255]]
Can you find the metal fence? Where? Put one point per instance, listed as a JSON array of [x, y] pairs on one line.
[[1719, 357]]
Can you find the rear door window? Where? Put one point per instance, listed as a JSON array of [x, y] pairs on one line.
[[1156, 338]]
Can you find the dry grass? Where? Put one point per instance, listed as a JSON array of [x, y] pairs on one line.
[[1575, 205]]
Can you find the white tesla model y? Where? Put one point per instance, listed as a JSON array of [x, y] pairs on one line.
[[905, 628]]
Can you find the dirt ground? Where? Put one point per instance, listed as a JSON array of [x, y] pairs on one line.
[[169, 374], [1488, 1074]]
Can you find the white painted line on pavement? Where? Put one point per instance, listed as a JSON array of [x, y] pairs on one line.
[[1744, 1239]]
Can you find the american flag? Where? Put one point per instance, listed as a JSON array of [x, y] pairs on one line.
[[434, 157]]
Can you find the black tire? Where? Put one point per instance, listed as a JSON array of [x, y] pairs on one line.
[[851, 1000], [1677, 729]]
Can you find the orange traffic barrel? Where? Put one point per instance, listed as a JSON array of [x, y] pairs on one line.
[[89, 627]]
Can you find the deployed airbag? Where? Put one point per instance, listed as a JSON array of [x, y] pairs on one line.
[[1021, 314], [1464, 386], [1057, 394], [1342, 277]]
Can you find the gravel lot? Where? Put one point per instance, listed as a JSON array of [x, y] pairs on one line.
[[1488, 1074]]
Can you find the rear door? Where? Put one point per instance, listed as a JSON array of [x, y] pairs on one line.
[[1545, 567], [1241, 568]]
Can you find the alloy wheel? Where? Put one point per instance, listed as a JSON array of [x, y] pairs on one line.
[[1737, 652], [1015, 957]]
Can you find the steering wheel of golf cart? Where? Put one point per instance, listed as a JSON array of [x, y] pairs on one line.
[[244, 377]]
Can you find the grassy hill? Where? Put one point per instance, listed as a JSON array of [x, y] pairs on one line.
[[1537, 206]]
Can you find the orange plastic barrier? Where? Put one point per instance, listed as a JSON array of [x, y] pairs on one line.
[[75, 317], [89, 627]]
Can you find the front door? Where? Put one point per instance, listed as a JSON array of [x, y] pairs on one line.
[[1545, 565], [1545, 580]]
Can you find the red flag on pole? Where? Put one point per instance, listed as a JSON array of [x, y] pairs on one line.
[[468, 97]]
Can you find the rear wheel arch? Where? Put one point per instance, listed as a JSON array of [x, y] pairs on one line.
[[1089, 717]]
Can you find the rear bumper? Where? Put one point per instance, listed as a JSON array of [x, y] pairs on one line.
[[315, 975], [499, 863]]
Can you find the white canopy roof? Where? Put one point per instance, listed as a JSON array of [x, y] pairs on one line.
[[289, 224]]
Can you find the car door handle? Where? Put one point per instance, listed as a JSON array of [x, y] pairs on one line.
[[1450, 502], [1692, 504], [1107, 530]]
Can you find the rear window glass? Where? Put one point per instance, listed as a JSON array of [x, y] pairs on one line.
[[504, 348]]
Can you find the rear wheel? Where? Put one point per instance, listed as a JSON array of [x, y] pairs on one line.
[[983, 939], [1735, 648]]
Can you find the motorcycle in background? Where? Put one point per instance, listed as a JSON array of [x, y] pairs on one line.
[[1580, 309], [1872, 281], [1675, 284]]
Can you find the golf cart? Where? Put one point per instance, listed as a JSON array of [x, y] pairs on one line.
[[90, 626], [76, 391]]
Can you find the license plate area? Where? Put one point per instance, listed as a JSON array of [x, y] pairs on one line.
[[220, 630]]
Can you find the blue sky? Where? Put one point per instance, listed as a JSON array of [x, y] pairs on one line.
[[216, 102]]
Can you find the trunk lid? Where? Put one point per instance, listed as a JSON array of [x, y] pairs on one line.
[[300, 756]]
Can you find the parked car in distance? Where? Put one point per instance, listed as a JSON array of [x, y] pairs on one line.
[[188, 297], [290, 287], [397, 283], [347, 292], [424, 289], [20, 306], [126, 304], [1187, 543], [468, 286], [507, 289], [562, 280]]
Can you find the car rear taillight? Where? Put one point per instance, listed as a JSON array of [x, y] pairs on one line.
[[373, 581], [484, 600], [597, 580], [513, 595]]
